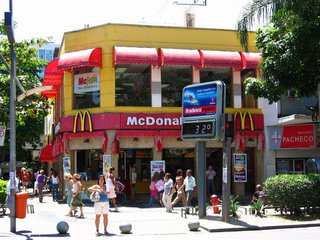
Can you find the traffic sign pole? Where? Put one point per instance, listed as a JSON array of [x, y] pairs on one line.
[[201, 181]]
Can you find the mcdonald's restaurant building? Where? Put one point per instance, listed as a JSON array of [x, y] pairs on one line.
[[117, 92]]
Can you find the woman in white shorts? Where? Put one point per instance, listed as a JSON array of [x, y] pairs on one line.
[[102, 206]]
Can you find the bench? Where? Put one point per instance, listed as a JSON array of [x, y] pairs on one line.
[[186, 210]]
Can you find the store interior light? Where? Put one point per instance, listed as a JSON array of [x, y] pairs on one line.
[[135, 139]]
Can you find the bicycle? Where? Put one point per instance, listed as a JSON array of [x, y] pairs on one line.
[[121, 196]]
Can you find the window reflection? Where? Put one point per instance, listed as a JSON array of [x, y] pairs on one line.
[[173, 80], [133, 85], [209, 74]]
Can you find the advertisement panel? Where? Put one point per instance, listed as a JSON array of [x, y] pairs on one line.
[[86, 82], [292, 137], [66, 165], [240, 167], [157, 166]]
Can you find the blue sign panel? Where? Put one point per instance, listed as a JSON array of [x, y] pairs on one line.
[[200, 100]]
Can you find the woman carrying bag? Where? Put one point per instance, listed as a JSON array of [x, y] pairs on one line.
[[101, 202], [76, 200]]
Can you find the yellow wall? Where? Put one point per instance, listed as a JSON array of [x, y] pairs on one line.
[[107, 36]]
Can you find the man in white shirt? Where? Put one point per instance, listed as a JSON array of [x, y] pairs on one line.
[[189, 184], [210, 174]]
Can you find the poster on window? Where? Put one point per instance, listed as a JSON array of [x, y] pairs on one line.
[[66, 165], [86, 82], [157, 166], [106, 163], [240, 167]]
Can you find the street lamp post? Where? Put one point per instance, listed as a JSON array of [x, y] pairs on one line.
[[13, 93]]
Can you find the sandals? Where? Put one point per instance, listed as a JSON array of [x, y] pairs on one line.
[[69, 215], [81, 216]]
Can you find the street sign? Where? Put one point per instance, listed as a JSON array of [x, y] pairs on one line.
[[2, 134], [203, 105]]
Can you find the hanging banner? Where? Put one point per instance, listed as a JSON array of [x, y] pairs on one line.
[[66, 165], [2, 134], [157, 166], [240, 167]]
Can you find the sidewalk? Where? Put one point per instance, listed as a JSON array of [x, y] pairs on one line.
[[146, 222]]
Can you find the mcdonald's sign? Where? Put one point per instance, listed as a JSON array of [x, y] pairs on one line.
[[82, 117], [243, 117]]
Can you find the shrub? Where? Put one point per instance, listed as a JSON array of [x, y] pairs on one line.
[[293, 191], [234, 206], [3, 191]]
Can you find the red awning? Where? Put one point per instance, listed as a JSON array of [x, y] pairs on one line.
[[46, 154], [134, 55], [250, 60], [90, 57], [52, 74], [137, 134], [222, 58], [180, 57]]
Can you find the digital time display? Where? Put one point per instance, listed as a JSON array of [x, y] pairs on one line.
[[194, 129]]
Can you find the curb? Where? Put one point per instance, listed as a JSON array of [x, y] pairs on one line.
[[255, 228]]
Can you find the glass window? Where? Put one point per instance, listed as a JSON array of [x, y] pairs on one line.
[[173, 80], [133, 85], [86, 88], [49, 55], [208, 74], [42, 53], [248, 101], [290, 166]]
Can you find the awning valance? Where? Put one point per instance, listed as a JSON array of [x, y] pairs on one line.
[[135, 55], [222, 58], [89, 57], [170, 133], [46, 154], [250, 60], [101, 134], [49, 93], [180, 57], [137, 133]]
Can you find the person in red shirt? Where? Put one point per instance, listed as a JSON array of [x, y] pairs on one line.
[[25, 177]]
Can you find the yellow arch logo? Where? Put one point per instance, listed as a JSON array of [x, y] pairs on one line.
[[82, 117], [243, 119]]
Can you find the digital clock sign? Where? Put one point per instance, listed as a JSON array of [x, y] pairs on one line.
[[194, 129], [202, 107]]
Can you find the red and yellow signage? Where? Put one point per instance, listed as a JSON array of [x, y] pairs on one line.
[[82, 117]]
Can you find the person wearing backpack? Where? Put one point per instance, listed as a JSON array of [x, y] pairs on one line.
[[153, 189]]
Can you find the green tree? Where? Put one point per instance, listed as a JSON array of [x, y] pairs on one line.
[[290, 46], [31, 111]]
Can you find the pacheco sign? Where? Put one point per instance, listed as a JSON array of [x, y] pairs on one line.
[[296, 136]]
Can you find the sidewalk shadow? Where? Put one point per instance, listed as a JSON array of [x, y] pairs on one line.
[[233, 221], [29, 235]]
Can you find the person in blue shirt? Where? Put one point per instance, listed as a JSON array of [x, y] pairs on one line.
[[102, 206]]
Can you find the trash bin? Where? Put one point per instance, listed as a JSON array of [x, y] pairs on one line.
[[21, 204], [215, 203]]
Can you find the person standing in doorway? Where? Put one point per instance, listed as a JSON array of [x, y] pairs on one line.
[[133, 182], [210, 175]]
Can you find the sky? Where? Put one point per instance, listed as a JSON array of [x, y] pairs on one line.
[[44, 18]]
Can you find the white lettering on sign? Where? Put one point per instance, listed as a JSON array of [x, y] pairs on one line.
[[149, 121], [193, 110], [297, 139]]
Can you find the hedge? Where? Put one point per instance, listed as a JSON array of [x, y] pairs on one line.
[[3, 191], [293, 191]]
